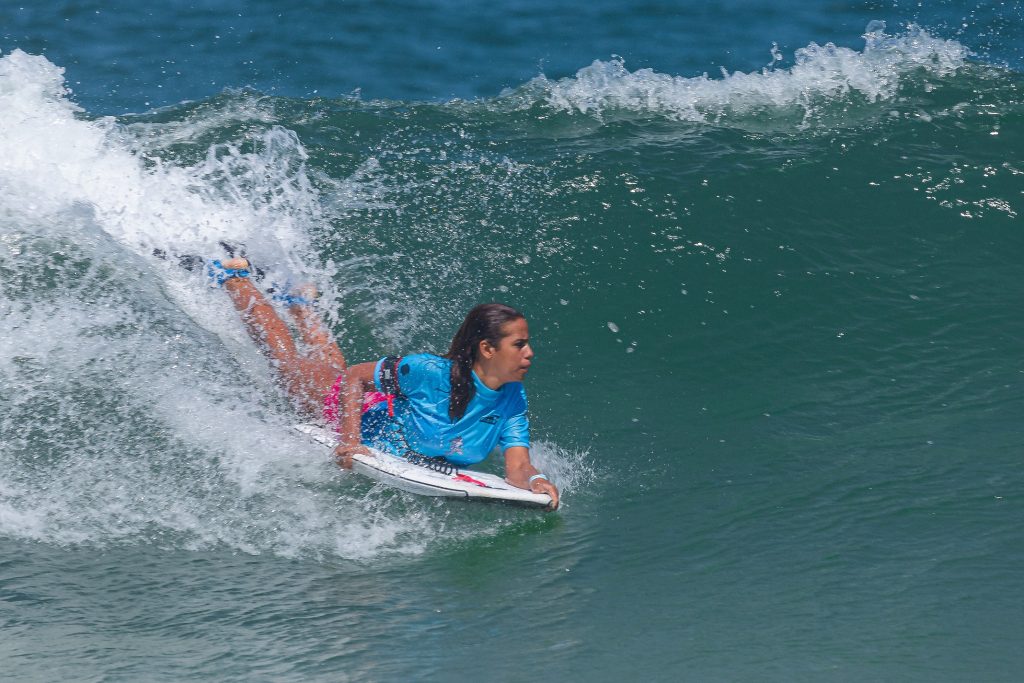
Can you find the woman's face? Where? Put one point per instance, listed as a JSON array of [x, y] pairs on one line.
[[510, 360]]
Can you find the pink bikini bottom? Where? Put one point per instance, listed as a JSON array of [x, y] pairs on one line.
[[332, 403]]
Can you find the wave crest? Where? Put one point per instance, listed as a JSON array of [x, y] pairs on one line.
[[820, 74]]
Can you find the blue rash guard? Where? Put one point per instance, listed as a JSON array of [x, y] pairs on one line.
[[421, 422]]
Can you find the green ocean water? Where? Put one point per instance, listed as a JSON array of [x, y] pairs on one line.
[[778, 377]]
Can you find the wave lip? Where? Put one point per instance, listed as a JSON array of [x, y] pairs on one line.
[[55, 159], [820, 74]]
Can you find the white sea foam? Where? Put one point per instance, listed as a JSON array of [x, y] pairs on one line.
[[51, 158], [820, 74]]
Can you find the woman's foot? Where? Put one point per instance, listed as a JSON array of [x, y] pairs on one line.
[[238, 263], [303, 295], [220, 272]]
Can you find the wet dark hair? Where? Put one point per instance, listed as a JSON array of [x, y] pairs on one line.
[[484, 322]]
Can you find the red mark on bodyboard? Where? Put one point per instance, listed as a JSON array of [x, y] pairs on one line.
[[470, 480]]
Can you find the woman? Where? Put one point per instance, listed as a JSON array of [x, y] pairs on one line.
[[457, 407]]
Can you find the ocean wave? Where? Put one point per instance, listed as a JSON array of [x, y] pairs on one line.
[[53, 157], [821, 76]]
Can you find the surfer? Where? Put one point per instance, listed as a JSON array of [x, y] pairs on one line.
[[458, 407]]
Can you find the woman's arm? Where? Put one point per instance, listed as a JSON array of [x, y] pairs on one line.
[[519, 469], [358, 379]]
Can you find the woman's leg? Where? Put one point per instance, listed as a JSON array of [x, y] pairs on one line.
[[307, 380], [313, 330]]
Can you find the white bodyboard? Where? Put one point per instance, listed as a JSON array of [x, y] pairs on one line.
[[404, 475]]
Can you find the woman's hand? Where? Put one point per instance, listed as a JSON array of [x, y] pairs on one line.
[[344, 452], [545, 486], [519, 469]]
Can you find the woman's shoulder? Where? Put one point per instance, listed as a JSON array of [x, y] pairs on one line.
[[514, 396], [423, 372], [424, 362]]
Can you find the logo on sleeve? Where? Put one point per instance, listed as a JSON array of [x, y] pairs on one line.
[[491, 419]]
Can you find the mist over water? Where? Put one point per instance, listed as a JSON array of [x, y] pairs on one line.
[[778, 374]]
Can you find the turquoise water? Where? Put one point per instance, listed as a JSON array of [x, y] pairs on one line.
[[778, 371]]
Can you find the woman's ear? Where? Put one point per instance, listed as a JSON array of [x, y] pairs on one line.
[[485, 349]]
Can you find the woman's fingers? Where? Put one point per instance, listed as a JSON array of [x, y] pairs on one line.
[[343, 455], [544, 486]]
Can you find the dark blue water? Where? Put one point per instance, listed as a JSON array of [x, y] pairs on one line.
[[120, 57], [771, 257]]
